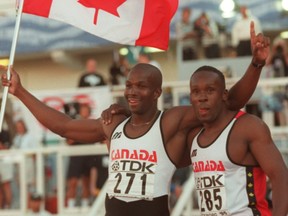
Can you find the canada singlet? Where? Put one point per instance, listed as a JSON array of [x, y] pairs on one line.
[[223, 187], [139, 168]]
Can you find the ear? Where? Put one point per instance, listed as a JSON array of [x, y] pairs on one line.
[[225, 95], [157, 93]]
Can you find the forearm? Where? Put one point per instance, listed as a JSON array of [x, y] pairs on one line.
[[241, 92], [280, 198], [49, 117]]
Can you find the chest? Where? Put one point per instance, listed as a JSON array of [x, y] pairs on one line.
[[136, 141], [228, 146]]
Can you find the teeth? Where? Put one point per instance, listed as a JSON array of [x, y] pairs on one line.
[[133, 100]]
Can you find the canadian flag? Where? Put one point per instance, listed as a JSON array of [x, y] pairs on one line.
[[133, 22]]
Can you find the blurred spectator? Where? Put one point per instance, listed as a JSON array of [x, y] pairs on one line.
[[91, 77], [275, 101], [36, 206], [186, 36], [146, 58], [98, 173], [79, 169], [177, 182], [281, 117], [167, 98], [279, 58], [119, 70], [24, 140], [241, 32], [6, 173], [208, 35], [200, 26], [118, 73]]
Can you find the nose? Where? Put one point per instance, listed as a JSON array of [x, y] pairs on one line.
[[202, 96], [131, 90]]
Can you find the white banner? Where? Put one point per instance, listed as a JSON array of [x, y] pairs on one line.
[[98, 98]]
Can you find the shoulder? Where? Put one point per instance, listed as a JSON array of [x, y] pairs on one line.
[[253, 119], [117, 119], [251, 124], [178, 113], [179, 118]]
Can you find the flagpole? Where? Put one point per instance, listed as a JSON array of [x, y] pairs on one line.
[[11, 58]]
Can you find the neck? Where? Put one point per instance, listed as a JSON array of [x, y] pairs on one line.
[[220, 122], [144, 123]]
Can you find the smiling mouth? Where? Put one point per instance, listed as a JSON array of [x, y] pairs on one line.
[[133, 102]]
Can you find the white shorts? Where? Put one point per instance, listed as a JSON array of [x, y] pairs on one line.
[[6, 171]]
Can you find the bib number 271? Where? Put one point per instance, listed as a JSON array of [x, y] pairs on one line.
[[131, 177]]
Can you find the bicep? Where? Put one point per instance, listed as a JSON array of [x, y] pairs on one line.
[[183, 118], [176, 124], [186, 158], [266, 152], [85, 130]]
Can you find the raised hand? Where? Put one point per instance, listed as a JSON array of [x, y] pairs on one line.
[[260, 46]]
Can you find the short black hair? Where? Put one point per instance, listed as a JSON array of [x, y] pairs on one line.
[[213, 70]]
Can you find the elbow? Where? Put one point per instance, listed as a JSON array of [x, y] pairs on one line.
[[59, 130]]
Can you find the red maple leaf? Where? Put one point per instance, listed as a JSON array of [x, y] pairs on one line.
[[110, 6]]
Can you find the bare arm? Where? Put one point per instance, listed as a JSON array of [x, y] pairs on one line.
[[241, 92], [271, 161], [176, 124], [186, 158], [59, 123]]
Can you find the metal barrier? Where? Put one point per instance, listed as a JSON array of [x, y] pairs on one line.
[[18, 156]]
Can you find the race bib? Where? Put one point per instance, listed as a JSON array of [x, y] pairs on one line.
[[211, 194], [132, 178]]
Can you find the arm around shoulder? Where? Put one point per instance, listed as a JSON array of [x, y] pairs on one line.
[[183, 117]]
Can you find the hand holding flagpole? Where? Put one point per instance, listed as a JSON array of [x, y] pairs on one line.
[[19, 8]]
